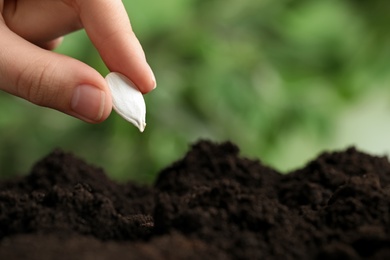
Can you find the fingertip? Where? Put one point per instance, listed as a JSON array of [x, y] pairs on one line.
[[90, 103], [143, 77], [153, 79], [149, 83]]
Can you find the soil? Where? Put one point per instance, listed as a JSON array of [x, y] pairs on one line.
[[211, 204]]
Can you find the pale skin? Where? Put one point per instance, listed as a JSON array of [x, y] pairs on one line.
[[30, 29]]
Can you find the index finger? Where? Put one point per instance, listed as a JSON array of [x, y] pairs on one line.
[[108, 26]]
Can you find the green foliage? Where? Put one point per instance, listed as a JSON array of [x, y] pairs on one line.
[[278, 78]]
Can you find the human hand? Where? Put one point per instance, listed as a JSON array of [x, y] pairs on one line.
[[29, 29]]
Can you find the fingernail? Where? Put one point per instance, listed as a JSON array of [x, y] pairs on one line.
[[153, 78], [88, 102]]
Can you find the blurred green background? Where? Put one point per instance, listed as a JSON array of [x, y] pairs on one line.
[[284, 80]]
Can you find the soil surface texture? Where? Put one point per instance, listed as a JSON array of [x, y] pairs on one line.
[[211, 204]]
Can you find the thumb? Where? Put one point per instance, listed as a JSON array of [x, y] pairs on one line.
[[52, 80]]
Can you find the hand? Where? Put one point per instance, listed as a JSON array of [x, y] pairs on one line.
[[29, 29]]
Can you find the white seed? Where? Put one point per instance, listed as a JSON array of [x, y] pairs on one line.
[[127, 100]]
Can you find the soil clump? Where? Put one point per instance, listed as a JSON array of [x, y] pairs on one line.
[[210, 204]]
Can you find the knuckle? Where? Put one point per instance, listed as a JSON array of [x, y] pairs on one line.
[[34, 84]]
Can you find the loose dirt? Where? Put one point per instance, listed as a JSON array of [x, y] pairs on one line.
[[211, 204]]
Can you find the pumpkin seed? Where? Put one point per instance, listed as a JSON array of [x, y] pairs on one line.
[[127, 100]]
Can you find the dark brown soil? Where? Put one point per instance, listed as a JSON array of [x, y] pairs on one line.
[[211, 204]]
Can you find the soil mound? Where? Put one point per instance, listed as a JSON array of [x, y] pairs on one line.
[[211, 204]]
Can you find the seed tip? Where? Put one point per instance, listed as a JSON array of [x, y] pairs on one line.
[[142, 127]]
